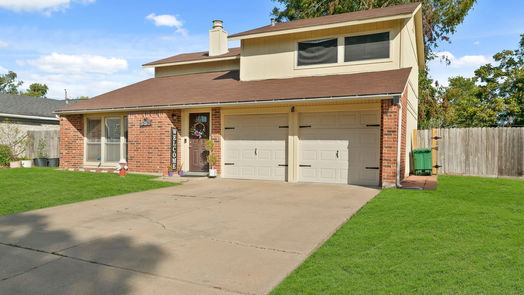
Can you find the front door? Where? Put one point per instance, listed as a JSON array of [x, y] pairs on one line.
[[198, 134]]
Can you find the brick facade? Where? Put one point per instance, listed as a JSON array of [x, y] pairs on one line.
[[389, 141], [216, 134], [149, 147], [71, 141]]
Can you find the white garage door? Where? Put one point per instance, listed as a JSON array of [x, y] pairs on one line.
[[255, 146], [339, 147]]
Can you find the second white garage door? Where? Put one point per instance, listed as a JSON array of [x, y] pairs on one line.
[[255, 146], [339, 147]]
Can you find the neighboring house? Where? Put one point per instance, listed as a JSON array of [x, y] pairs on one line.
[[30, 113], [330, 99]]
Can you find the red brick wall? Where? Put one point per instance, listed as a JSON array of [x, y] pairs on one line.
[[403, 135], [216, 131], [149, 147], [389, 141], [71, 141]]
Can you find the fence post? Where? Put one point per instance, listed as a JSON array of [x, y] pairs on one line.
[[434, 148]]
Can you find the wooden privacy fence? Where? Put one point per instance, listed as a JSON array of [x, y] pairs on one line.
[[51, 138], [477, 151]]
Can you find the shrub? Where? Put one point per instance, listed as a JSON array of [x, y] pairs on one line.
[[6, 155]]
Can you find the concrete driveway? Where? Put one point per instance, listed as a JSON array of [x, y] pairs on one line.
[[204, 237]]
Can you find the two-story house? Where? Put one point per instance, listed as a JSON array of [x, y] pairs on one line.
[[330, 99]]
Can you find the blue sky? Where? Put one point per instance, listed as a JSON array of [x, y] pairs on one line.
[[93, 46]]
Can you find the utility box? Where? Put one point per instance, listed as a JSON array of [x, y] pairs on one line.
[[423, 161]]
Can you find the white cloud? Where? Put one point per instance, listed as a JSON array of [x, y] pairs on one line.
[[45, 6], [464, 61], [464, 66], [3, 44], [63, 63], [167, 20], [476, 43]]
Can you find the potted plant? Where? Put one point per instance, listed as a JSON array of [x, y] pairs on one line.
[[26, 162], [41, 161], [170, 170], [211, 157], [179, 169]]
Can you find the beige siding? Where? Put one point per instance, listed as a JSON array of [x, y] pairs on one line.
[[204, 67], [275, 57]]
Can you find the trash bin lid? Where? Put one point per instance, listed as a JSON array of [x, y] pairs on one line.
[[422, 151]]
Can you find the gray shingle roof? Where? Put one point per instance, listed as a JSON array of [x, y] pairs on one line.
[[29, 106]]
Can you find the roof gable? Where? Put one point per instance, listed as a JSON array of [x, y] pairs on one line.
[[370, 14]]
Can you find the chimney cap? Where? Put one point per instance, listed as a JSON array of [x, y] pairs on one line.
[[273, 21], [218, 24]]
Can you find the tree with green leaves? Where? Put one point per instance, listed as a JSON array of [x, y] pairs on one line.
[[504, 81], [36, 90], [9, 83]]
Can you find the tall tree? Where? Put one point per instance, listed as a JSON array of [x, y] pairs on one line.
[[9, 83], [36, 90], [505, 81]]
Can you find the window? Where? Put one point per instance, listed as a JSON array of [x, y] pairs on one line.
[[94, 139], [106, 139], [112, 139], [317, 52], [365, 47]]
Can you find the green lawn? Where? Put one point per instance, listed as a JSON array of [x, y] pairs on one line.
[[24, 189], [467, 237]]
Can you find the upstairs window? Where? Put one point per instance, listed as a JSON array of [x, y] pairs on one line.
[[364, 47], [317, 52]]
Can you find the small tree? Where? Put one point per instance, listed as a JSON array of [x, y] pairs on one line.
[[211, 157], [14, 137], [42, 148], [6, 155]]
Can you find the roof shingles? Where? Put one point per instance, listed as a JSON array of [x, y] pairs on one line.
[[29, 106], [333, 19], [225, 87]]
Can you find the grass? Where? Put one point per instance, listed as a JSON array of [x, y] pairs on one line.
[[28, 189], [467, 237]]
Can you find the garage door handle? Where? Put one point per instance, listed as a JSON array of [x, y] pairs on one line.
[[255, 151], [375, 168], [282, 165], [304, 165], [337, 154]]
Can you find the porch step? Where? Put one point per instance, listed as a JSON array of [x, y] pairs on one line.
[[195, 174]]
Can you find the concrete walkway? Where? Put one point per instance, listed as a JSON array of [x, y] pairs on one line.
[[204, 237]]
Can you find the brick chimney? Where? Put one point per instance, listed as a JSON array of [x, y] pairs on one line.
[[217, 39]]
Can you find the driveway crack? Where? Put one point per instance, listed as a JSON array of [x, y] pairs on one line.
[[253, 246]]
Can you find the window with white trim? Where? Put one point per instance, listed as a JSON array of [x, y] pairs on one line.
[[106, 139]]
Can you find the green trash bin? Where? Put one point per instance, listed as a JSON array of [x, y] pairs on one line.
[[422, 159]]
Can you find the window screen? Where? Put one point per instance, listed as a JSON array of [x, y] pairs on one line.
[[94, 135], [317, 52], [364, 47]]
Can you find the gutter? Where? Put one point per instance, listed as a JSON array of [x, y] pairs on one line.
[[235, 103], [29, 117]]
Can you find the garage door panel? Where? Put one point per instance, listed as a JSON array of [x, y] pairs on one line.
[[339, 146], [262, 146]]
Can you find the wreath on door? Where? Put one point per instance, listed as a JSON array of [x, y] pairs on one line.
[[198, 130]]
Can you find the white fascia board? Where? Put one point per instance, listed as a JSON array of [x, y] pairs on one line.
[[192, 62], [235, 103], [28, 117]]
